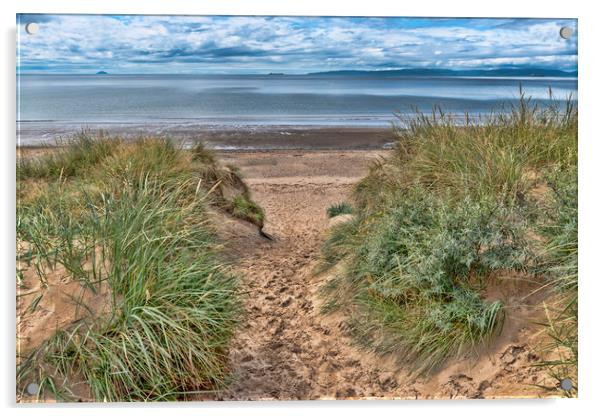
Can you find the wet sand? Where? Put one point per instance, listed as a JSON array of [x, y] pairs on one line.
[[249, 138]]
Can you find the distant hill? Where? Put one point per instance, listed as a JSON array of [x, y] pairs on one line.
[[102, 73], [437, 72]]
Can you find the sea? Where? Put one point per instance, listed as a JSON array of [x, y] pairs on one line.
[[49, 106]]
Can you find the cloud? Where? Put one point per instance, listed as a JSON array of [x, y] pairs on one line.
[[214, 44]]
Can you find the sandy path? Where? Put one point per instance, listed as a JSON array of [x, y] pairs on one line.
[[284, 348], [283, 345]]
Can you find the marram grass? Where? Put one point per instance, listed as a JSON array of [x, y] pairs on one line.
[[558, 224], [134, 216]]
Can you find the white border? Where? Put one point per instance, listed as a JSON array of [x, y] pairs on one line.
[[507, 8], [590, 232]]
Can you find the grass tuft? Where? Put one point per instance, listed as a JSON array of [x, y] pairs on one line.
[[244, 208], [77, 155], [339, 209]]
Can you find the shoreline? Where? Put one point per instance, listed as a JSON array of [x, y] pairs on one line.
[[235, 140]]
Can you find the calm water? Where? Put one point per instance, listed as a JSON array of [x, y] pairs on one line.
[[51, 101]]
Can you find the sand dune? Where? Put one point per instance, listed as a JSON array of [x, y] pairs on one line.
[[285, 349]]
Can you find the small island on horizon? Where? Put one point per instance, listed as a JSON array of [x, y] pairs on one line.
[[102, 73]]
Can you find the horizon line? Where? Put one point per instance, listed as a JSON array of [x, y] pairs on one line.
[[317, 72]]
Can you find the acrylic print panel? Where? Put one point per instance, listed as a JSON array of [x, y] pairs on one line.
[[248, 208]]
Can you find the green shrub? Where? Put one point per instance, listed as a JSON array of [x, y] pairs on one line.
[[416, 271], [438, 220]]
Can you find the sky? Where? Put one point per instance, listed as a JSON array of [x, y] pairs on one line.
[[139, 44]]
